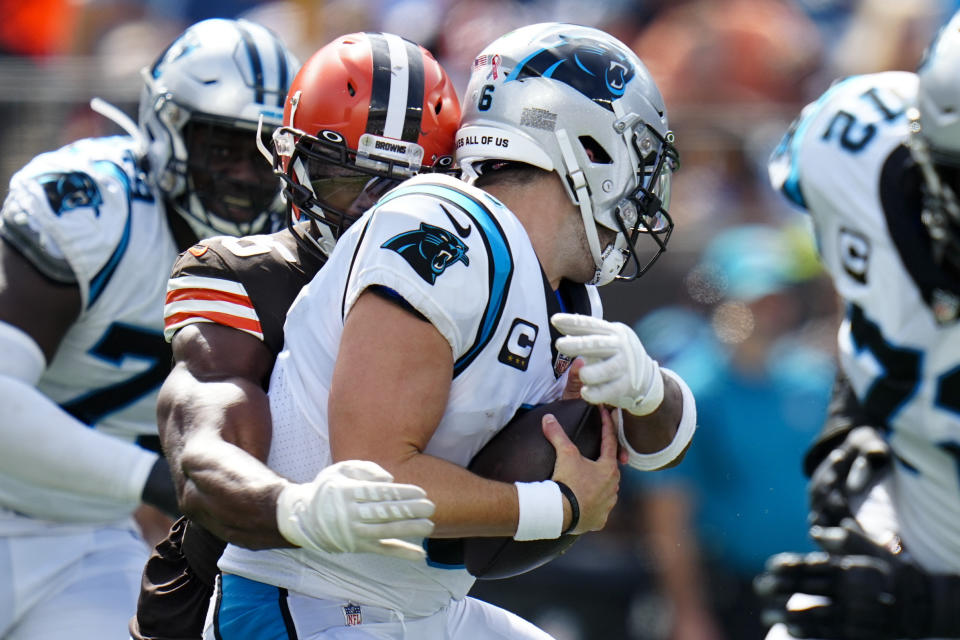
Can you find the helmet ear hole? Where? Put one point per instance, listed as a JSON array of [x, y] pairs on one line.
[[351, 89], [437, 107], [595, 152]]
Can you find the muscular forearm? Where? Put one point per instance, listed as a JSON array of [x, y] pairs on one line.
[[654, 431], [231, 493], [467, 505], [217, 434]]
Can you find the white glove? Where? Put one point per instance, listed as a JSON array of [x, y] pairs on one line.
[[354, 506], [617, 369]]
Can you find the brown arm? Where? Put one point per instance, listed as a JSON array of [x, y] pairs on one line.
[[214, 421]]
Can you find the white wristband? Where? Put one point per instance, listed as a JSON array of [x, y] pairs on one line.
[[685, 431], [541, 510]]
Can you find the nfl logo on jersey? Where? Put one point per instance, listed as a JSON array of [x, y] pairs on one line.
[[351, 614]]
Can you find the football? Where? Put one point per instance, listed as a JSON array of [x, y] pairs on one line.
[[521, 453]]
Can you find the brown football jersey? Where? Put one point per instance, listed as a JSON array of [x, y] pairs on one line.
[[248, 284], [245, 283]]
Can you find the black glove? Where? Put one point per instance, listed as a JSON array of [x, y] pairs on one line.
[[874, 594], [846, 472], [159, 490]]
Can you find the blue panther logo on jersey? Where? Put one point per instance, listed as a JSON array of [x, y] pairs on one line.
[[429, 250], [589, 66], [67, 191]]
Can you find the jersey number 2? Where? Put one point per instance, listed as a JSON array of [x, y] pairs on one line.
[[854, 137]]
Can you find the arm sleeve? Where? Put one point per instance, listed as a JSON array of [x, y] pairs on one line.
[[48, 458]]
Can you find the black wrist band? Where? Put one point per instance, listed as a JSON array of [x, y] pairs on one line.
[[574, 507]]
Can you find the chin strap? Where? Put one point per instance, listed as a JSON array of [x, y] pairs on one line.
[[944, 201], [210, 225], [578, 183]]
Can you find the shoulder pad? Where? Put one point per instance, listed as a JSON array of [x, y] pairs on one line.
[[33, 242], [442, 250], [80, 198], [846, 132], [244, 283]]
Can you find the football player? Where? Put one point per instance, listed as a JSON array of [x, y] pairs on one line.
[[430, 326], [365, 112], [875, 163], [90, 232]]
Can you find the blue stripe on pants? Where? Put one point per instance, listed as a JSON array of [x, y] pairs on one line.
[[249, 610]]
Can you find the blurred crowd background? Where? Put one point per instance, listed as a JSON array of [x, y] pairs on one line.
[[737, 305]]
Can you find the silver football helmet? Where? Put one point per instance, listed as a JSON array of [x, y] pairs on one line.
[[935, 141], [577, 101], [199, 111]]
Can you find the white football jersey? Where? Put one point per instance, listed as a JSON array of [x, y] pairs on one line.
[[846, 162], [83, 214], [464, 261]]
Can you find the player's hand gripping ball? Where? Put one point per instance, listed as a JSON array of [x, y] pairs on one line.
[[521, 453]]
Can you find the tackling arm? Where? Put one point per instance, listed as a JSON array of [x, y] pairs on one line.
[[214, 421], [215, 424]]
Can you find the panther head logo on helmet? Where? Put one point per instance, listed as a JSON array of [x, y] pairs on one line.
[[596, 70]]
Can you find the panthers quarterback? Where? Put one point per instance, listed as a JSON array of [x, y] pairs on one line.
[[90, 232], [875, 162], [442, 311], [226, 303]]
